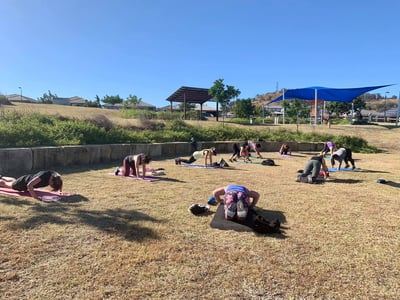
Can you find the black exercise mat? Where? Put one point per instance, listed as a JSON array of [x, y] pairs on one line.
[[220, 222]]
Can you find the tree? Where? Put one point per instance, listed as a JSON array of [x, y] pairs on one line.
[[132, 101], [98, 101], [296, 109], [338, 107], [47, 98], [243, 108], [112, 99], [223, 94]]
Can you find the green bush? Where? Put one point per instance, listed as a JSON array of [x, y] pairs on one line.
[[39, 130]]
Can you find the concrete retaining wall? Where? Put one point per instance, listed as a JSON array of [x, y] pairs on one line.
[[18, 161]]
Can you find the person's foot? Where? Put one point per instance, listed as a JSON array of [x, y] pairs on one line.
[[347, 166], [231, 160], [116, 172]]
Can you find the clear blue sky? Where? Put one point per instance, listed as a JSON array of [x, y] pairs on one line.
[[150, 48]]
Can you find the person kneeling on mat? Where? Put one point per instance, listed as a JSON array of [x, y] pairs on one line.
[[237, 201], [313, 167]]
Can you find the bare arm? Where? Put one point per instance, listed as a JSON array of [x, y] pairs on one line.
[[138, 159], [255, 196], [218, 193], [207, 157], [324, 168], [31, 185], [143, 170]]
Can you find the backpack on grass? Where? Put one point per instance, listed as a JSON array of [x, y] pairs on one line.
[[264, 226]]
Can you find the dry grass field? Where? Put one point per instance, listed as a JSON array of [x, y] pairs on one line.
[[119, 238]]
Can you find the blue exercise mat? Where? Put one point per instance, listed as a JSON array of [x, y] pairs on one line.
[[343, 169], [198, 166]]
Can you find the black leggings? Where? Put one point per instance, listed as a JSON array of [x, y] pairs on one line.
[[188, 161]]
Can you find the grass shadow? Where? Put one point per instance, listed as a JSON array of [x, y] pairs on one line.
[[124, 223], [119, 222], [372, 171], [348, 181], [392, 184]]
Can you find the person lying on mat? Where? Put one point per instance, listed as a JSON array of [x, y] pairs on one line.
[[131, 163], [31, 181], [343, 154], [329, 147], [285, 150], [237, 201], [205, 153], [314, 166]]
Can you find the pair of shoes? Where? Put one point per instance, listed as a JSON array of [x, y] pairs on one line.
[[116, 172], [177, 161]]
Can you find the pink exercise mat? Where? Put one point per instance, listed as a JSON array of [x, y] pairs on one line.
[[47, 196]]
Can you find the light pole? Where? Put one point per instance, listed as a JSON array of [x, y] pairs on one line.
[[384, 113], [20, 93]]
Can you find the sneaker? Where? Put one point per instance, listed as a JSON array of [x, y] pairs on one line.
[[347, 166], [241, 210], [177, 161], [116, 172], [231, 160], [230, 211], [302, 178]]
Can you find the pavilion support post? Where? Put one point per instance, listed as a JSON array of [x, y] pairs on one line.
[[184, 105]]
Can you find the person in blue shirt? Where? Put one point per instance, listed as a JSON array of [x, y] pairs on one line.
[[237, 200]]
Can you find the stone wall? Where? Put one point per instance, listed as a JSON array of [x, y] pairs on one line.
[[18, 161]]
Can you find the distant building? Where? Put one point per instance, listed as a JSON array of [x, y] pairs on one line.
[[72, 101], [20, 98], [139, 105]]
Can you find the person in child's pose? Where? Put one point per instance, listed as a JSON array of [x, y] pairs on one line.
[[131, 163], [31, 181]]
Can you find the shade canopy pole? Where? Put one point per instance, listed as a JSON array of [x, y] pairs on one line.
[[316, 106]]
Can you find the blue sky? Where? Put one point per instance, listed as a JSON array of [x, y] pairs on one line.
[[150, 48]]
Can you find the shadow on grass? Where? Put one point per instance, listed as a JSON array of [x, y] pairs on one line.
[[120, 222], [348, 181], [372, 171], [392, 184]]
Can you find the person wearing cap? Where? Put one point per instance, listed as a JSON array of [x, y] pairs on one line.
[[205, 153]]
